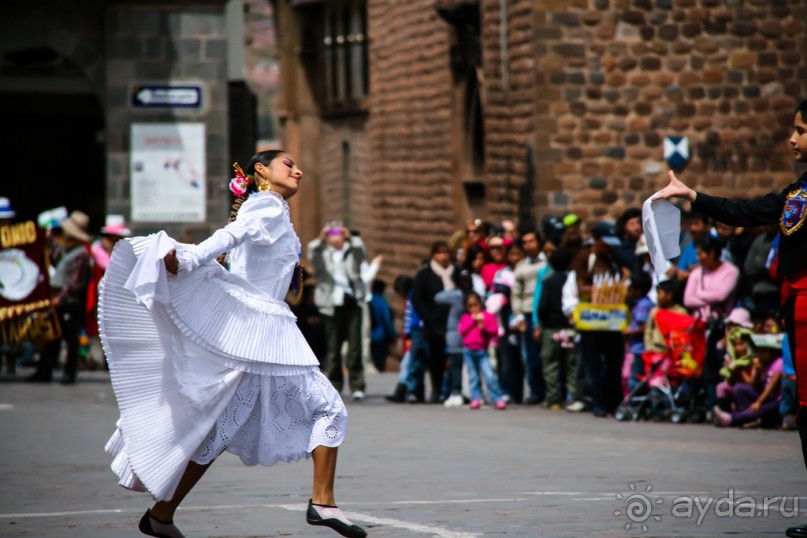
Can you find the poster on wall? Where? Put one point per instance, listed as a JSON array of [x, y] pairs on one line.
[[168, 172]]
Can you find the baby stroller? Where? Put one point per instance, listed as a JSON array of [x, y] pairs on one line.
[[671, 384]]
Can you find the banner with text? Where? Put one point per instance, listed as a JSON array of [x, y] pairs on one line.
[[600, 317], [25, 304]]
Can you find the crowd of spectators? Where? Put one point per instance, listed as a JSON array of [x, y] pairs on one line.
[[488, 318], [498, 301]]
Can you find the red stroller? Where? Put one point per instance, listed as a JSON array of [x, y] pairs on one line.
[[671, 381]]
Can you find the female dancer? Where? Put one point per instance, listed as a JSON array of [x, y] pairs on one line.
[[788, 208], [208, 360]]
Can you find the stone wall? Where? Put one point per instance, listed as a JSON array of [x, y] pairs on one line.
[[410, 141], [508, 100], [344, 192], [158, 43], [617, 76]]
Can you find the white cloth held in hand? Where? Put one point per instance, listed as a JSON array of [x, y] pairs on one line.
[[662, 227]]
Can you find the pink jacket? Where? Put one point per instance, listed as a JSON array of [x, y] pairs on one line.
[[713, 291], [473, 337]]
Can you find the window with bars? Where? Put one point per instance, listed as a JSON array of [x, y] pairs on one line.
[[344, 55]]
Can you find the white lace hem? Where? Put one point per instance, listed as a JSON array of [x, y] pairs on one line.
[[277, 418]]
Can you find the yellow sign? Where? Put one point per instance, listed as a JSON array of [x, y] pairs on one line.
[[601, 317]]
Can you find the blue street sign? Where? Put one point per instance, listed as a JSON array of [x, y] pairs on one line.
[[166, 96]]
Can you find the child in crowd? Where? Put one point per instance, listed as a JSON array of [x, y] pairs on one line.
[[403, 289], [667, 294], [478, 328], [455, 299], [552, 328], [382, 332], [737, 365], [510, 368], [476, 259], [756, 400], [640, 285]]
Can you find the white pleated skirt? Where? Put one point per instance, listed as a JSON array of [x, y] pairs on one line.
[[187, 391]]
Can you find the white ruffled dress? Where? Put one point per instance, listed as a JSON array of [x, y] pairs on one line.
[[210, 360]]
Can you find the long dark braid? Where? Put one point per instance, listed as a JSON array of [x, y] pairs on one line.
[[263, 157]]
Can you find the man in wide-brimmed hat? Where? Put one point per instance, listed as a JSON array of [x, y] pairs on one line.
[[69, 284]]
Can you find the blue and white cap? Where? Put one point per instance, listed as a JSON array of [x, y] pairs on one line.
[[6, 212]]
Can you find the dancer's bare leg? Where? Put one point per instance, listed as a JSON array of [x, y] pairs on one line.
[[164, 510], [322, 510], [324, 473]]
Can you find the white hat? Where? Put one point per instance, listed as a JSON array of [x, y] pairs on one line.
[[52, 218], [5, 209], [769, 341], [740, 316], [641, 246], [116, 225]]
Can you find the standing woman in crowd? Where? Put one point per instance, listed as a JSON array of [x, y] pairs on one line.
[[788, 208], [210, 360], [709, 292]]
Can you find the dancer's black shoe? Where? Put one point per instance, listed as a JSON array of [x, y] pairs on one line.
[[154, 527], [797, 532], [331, 516]]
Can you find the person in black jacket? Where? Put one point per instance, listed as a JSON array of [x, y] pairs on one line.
[[788, 208], [556, 353], [429, 350]]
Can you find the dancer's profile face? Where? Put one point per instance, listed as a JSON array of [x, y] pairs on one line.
[[282, 173], [798, 140]]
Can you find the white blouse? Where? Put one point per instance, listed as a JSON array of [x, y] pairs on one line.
[[263, 247]]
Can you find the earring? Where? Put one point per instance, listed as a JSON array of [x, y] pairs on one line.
[[264, 187]]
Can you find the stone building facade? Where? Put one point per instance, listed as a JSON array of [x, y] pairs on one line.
[[491, 109], [66, 73]]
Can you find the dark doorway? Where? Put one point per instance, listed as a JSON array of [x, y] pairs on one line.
[[53, 151]]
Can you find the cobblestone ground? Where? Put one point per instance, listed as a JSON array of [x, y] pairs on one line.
[[415, 471]]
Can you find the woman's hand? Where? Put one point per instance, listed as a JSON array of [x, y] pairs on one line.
[[171, 262], [754, 407], [675, 189]]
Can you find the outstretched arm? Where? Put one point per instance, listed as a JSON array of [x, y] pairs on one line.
[[757, 212]]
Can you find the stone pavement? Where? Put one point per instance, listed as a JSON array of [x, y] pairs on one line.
[[414, 471]]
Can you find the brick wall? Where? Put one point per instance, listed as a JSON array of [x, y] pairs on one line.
[[410, 140], [344, 187], [617, 76], [509, 97]]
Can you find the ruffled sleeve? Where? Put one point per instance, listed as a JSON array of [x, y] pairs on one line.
[[259, 220], [262, 217]]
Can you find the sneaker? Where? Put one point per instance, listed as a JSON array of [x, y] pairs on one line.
[[722, 419], [501, 405], [358, 395], [475, 404], [411, 398], [789, 422], [455, 400], [576, 407]]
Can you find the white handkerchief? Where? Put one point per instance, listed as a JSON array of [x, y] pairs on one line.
[[149, 278], [662, 228]]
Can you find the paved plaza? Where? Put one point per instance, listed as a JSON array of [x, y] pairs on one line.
[[414, 471]]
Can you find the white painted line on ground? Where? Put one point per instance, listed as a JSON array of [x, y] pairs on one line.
[[389, 522], [438, 532], [6, 407]]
